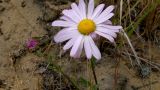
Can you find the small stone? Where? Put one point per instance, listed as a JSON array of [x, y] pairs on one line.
[[145, 71], [2, 8], [1, 1], [1, 33], [50, 15], [7, 37], [62, 1], [1, 22], [7, 1], [2, 84], [23, 4]]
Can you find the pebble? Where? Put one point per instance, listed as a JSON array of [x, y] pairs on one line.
[[2, 8], [1, 33], [23, 4], [7, 1]]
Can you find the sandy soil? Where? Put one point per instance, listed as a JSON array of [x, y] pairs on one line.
[[20, 20], [18, 24]]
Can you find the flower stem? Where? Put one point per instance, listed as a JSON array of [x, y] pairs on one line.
[[93, 71]]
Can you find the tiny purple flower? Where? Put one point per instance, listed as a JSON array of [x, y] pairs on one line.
[[31, 43]]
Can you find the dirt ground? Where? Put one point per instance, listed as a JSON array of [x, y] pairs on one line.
[[18, 24], [20, 20]]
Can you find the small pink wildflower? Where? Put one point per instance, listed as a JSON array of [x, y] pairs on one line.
[[31, 43]]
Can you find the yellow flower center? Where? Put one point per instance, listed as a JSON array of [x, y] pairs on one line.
[[86, 26]]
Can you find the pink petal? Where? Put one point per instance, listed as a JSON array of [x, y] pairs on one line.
[[110, 38], [107, 31], [76, 46], [95, 51], [90, 8], [97, 11], [87, 47], [103, 19], [69, 44], [82, 7], [62, 23]]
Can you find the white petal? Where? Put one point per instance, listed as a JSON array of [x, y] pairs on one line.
[[95, 51], [65, 34], [87, 47], [65, 31], [62, 38], [103, 19], [97, 11], [67, 19], [82, 7], [79, 51], [72, 15], [69, 44], [107, 11], [110, 38], [107, 31], [108, 22], [77, 10], [93, 35], [90, 8], [62, 23], [110, 26], [76, 46]]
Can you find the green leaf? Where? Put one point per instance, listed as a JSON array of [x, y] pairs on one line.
[[84, 82], [94, 87], [39, 53], [131, 28]]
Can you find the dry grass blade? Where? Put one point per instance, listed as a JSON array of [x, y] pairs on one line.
[[153, 64], [126, 36], [132, 48]]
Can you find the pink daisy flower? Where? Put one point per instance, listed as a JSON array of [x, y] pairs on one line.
[[82, 24]]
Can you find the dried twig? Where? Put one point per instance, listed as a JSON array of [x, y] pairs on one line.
[[153, 64]]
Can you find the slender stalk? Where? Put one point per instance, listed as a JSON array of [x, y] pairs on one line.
[[93, 71]]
